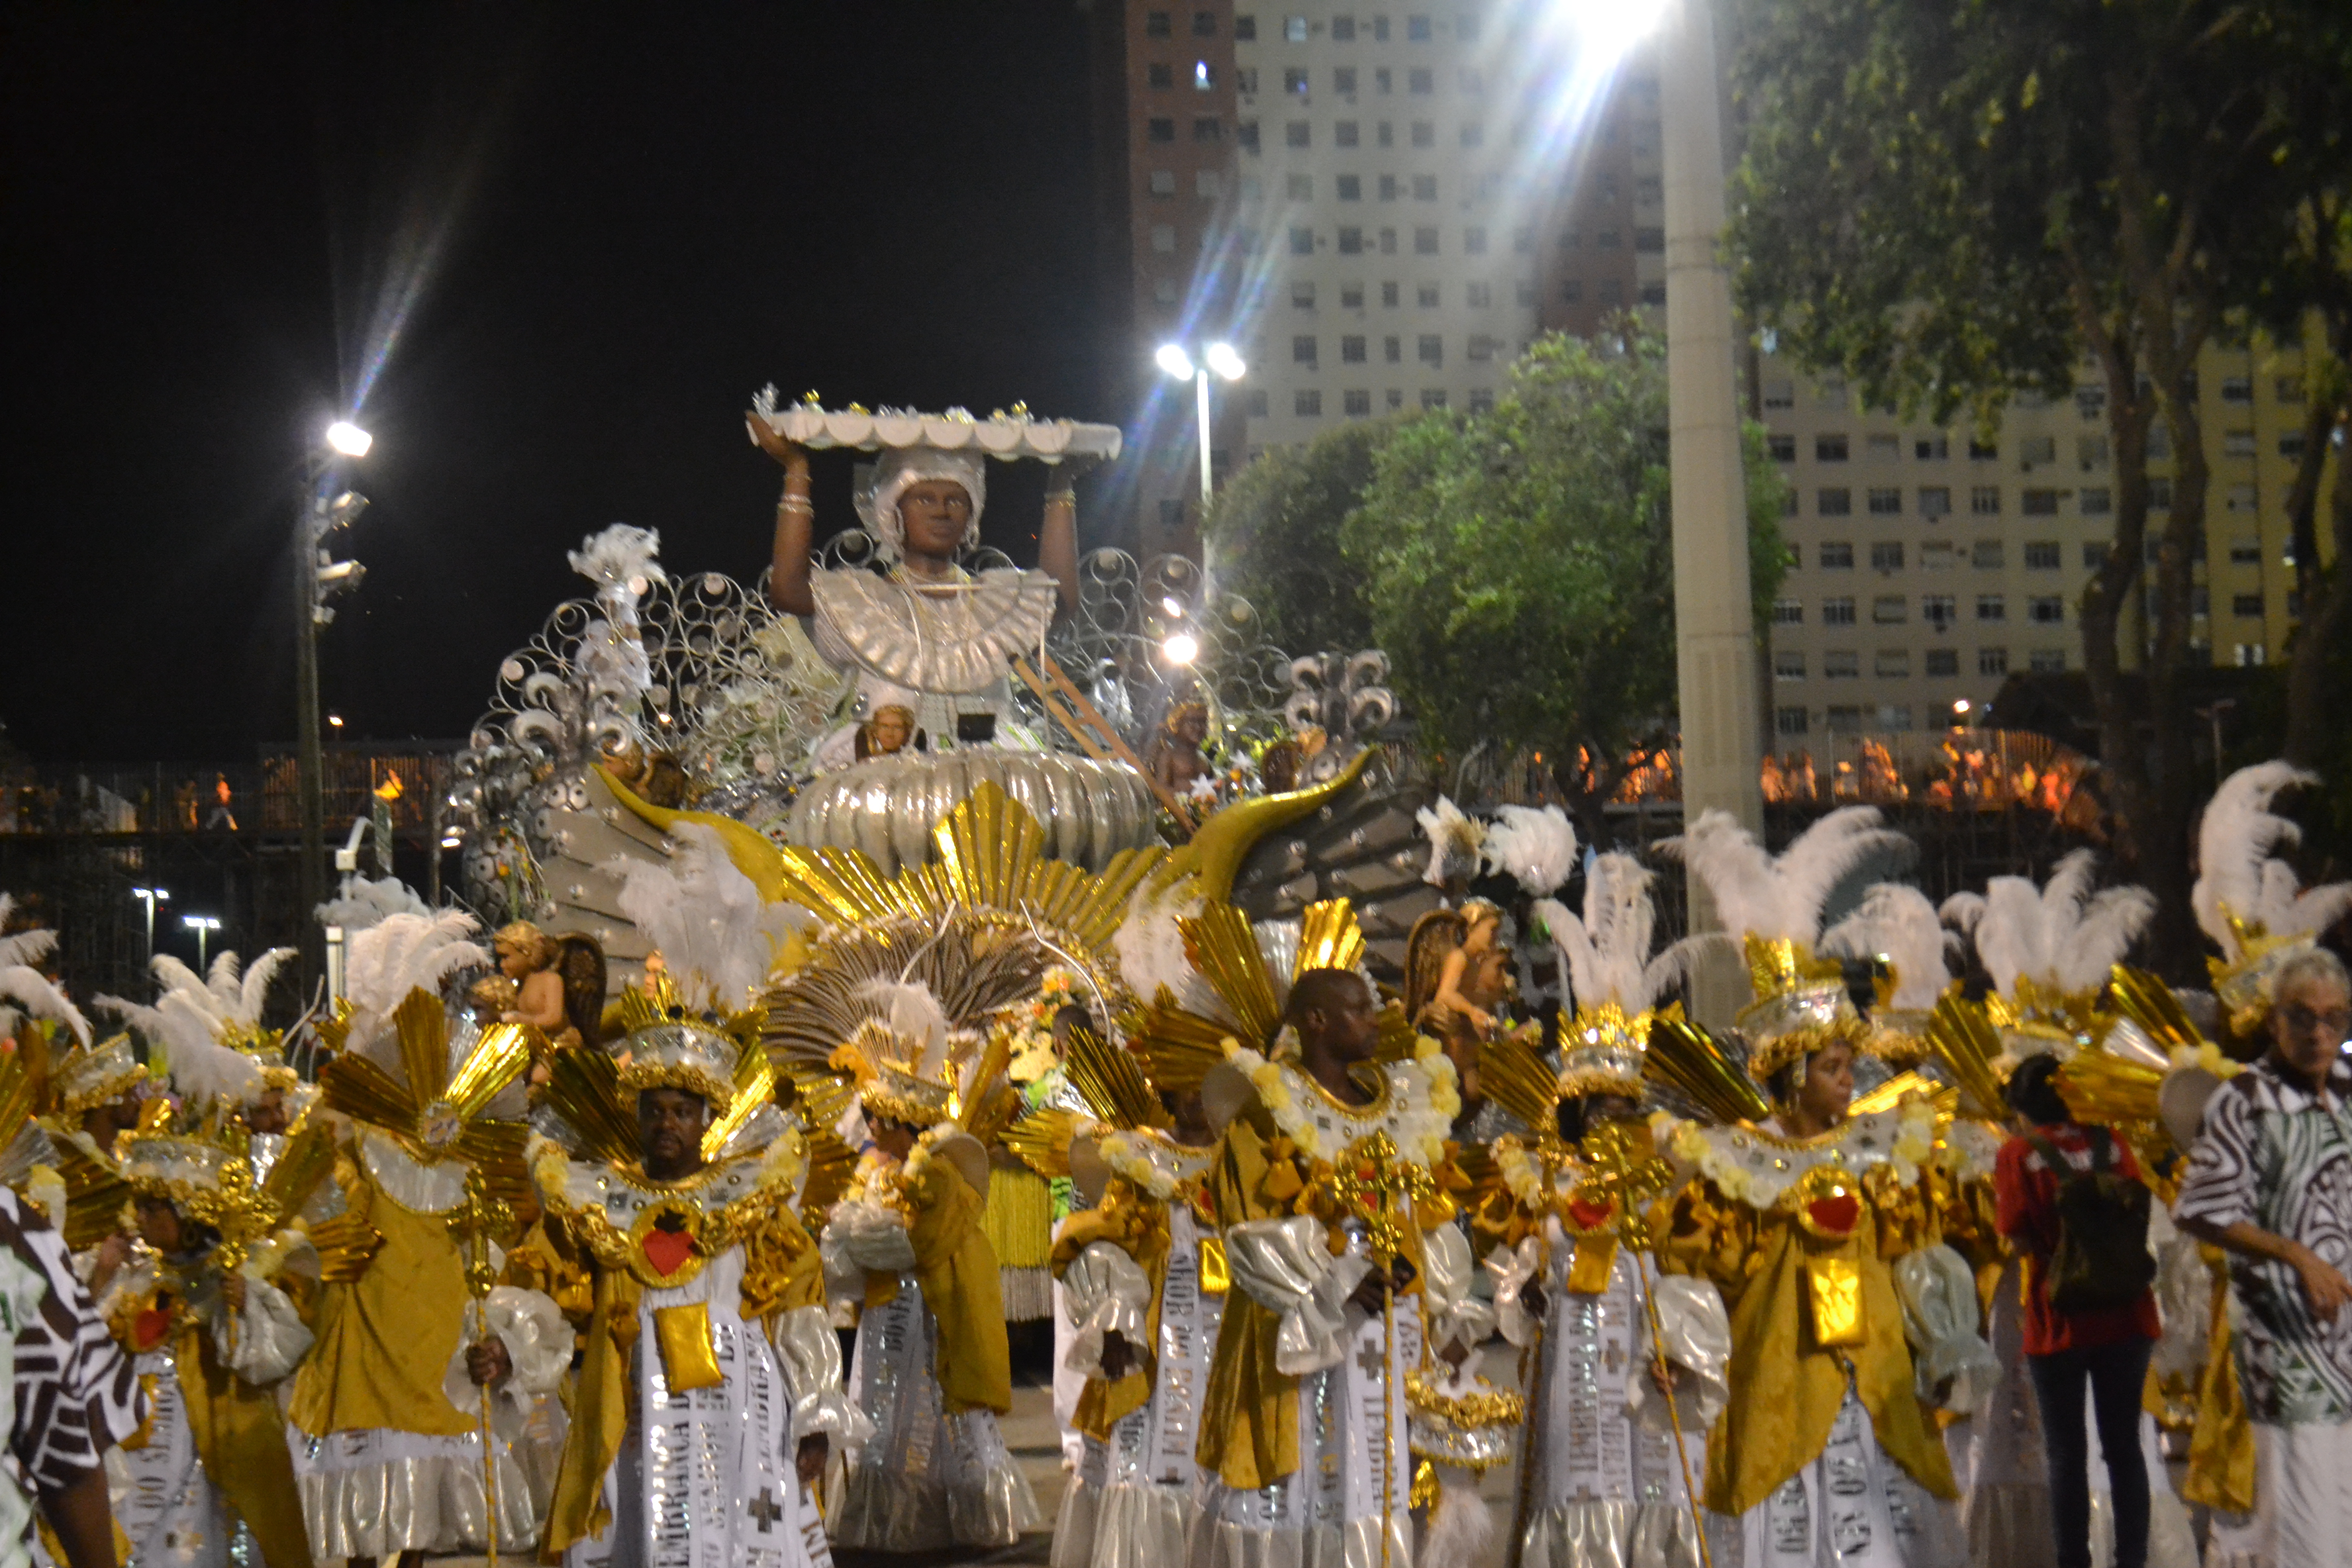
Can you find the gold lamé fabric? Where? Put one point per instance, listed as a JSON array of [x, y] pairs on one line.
[[1787, 1386], [1134, 1223], [956, 1269], [385, 1338]]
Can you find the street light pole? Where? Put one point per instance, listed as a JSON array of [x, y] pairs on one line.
[[204, 926], [308, 765], [315, 515], [1201, 398], [1715, 637], [151, 897]]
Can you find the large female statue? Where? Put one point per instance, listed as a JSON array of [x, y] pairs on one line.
[[928, 637]]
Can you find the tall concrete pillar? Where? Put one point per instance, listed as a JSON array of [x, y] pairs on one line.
[[1715, 642]]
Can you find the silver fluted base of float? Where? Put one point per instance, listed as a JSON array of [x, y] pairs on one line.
[[887, 807]]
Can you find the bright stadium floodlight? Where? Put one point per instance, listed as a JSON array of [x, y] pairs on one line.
[[349, 439], [1181, 647], [1610, 27], [1226, 361], [1173, 359]]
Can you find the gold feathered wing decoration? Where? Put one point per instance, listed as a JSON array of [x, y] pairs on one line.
[[437, 1111]]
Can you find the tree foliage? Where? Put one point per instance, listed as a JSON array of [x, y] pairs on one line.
[[1954, 203], [1519, 563], [1274, 538]]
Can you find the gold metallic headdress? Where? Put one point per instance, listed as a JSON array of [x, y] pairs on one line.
[[87, 1076]]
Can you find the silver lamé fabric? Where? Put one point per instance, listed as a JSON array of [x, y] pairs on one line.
[[926, 1480], [1135, 1500], [1348, 1503]]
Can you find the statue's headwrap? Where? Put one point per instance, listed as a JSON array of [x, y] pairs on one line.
[[893, 470]]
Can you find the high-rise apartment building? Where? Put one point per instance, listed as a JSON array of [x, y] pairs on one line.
[[1380, 207], [1932, 565]]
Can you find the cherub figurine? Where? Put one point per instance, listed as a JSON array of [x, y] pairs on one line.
[[559, 982], [1176, 761], [888, 733], [1457, 973]]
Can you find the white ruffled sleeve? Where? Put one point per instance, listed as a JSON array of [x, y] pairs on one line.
[[1456, 1316], [862, 1238], [1941, 1319], [265, 1343], [1696, 1333], [811, 1356], [1511, 1272], [1103, 1293], [539, 1350], [1286, 1267]]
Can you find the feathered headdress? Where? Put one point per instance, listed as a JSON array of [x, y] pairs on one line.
[[718, 939], [24, 988], [1615, 977], [2050, 950], [904, 1056], [1897, 924], [1773, 904], [2249, 900], [1454, 841], [1538, 848], [363, 904], [406, 953], [211, 1027]]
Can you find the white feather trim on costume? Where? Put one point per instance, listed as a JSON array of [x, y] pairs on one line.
[[25, 947], [1537, 847], [706, 917], [2236, 866], [1461, 1528], [2061, 934], [1898, 923], [1151, 949]]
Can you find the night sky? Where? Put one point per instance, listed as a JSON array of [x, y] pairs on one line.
[[615, 222]]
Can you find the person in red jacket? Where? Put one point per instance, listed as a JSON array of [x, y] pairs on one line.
[[2108, 1349]]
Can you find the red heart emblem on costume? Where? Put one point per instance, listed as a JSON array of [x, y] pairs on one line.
[[1836, 1214], [668, 1250], [149, 1329], [1588, 1214]]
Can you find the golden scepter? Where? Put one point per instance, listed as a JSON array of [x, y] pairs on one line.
[[472, 1222]]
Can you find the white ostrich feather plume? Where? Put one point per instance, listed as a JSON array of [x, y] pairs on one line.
[[2236, 865], [1607, 950], [1454, 839], [1779, 897], [716, 934], [1898, 923], [32, 992], [2061, 934], [195, 1012], [406, 953], [25, 947], [365, 903], [1537, 847]]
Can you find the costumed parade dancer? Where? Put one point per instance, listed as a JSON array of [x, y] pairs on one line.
[[932, 1369], [2270, 1181], [386, 1462], [1604, 1481], [709, 1387], [1331, 1187], [212, 1305], [1816, 1228], [1143, 1286]]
